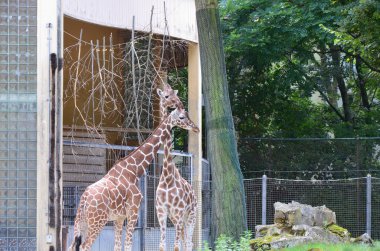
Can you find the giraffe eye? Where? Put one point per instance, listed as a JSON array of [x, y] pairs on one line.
[[166, 96], [181, 117]]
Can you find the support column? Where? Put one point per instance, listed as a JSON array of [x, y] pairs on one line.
[[47, 13], [195, 139]]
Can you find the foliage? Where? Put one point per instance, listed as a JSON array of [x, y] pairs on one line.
[[300, 69], [226, 243], [279, 55]]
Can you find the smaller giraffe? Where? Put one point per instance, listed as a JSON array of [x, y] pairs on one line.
[[116, 196], [174, 196]]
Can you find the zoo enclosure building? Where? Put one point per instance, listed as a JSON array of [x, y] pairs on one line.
[[72, 71]]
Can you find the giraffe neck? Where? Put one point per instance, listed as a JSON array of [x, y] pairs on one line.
[[136, 162], [168, 166], [163, 112]]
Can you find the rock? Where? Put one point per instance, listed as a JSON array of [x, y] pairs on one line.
[[300, 230], [284, 242], [295, 213], [363, 239], [287, 215], [320, 234], [263, 230], [339, 231], [323, 216]]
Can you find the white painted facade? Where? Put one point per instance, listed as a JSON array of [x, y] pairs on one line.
[[180, 15]]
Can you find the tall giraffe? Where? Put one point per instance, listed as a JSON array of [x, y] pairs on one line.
[[116, 196], [174, 196]]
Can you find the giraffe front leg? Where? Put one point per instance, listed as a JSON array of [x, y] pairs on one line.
[[118, 225], [189, 230], [162, 219]]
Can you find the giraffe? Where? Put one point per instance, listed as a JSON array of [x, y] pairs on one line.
[[116, 196], [174, 196]]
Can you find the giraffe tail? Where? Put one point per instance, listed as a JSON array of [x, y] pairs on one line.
[[78, 241], [78, 231]]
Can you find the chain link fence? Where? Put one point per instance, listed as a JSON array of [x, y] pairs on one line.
[[356, 202], [310, 158]]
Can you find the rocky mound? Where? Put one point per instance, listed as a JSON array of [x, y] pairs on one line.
[[296, 224]]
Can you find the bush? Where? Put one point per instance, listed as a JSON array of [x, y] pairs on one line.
[[225, 243]]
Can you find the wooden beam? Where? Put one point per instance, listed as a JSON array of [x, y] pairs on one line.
[[195, 139], [106, 129]]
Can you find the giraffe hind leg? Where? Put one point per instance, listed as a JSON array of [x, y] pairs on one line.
[[178, 233], [189, 230], [80, 230], [131, 221], [93, 232], [118, 225], [162, 219]]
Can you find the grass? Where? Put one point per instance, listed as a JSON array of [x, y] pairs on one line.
[[336, 247]]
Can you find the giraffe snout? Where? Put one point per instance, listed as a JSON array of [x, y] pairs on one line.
[[195, 129]]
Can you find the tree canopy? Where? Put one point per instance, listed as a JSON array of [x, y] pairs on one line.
[[301, 69]]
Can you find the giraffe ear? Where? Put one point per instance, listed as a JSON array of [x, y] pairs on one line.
[[175, 92], [159, 92]]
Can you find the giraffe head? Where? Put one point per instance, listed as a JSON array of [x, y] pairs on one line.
[[180, 118], [169, 98]]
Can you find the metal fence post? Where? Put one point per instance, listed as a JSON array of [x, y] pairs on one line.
[[264, 201], [368, 206]]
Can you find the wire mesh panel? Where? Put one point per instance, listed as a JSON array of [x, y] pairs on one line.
[[253, 195], [18, 85], [147, 231], [347, 198], [375, 206], [309, 158]]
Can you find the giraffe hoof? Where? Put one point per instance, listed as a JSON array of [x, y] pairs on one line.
[[176, 248]]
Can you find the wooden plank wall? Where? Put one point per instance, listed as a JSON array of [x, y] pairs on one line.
[[83, 166]]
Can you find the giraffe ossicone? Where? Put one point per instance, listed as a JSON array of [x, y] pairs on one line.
[[116, 197]]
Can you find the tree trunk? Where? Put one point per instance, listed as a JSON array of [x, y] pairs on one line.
[[361, 84], [228, 203], [338, 76], [330, 86]]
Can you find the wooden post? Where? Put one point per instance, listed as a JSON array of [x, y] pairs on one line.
[[195, 140]]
